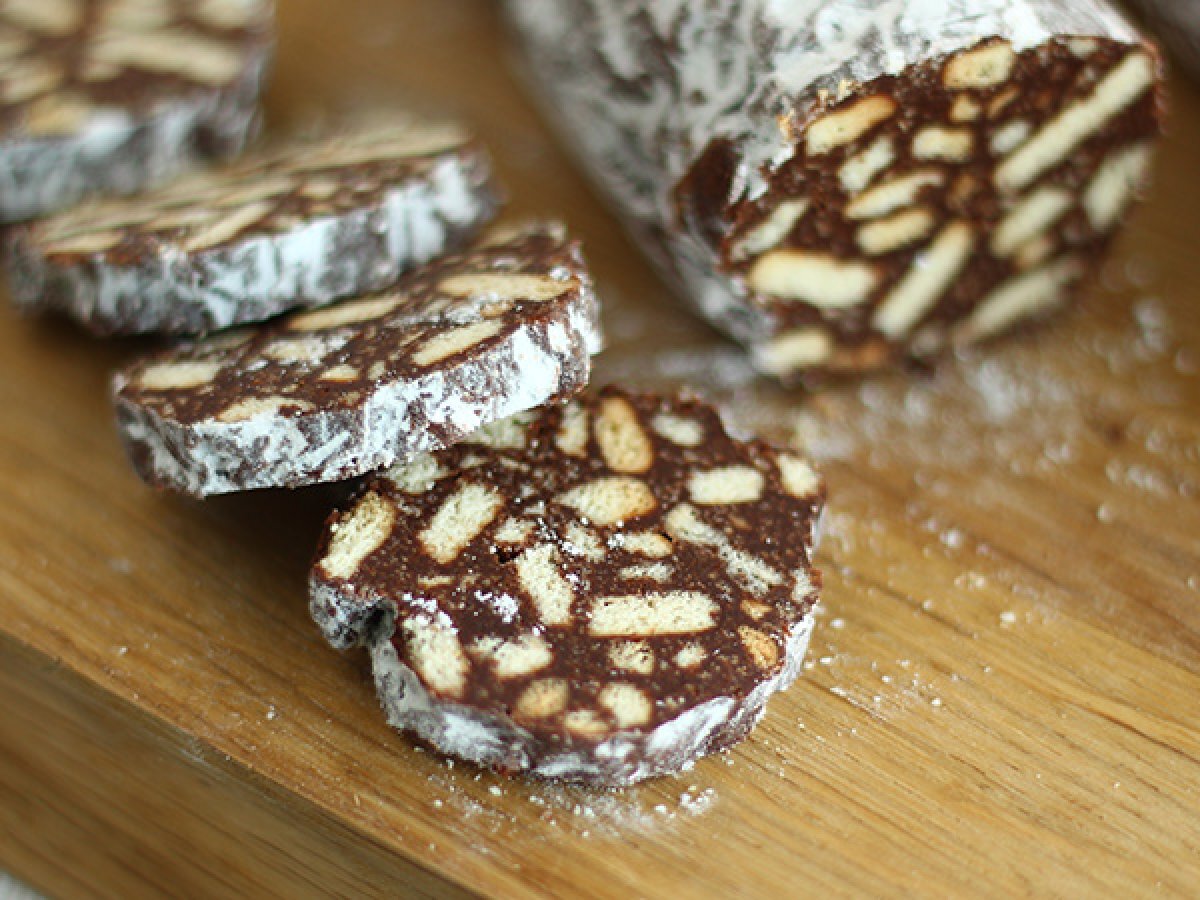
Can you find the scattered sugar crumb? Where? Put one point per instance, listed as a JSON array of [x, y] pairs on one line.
[[974, 581]]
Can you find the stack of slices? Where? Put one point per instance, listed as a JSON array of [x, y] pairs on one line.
[[592, 587]]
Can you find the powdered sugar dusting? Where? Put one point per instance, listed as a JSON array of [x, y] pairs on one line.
[[1091, 405], [1020, 403], [504, 806]]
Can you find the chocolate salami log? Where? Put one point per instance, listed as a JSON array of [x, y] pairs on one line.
[[328, 394], [297, 226], [601, 592], [839, 183], [1177, 22], [112, 95]]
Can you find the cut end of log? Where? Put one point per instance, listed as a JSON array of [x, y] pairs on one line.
[[961, 197]]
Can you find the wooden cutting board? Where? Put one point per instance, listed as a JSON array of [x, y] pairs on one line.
[[1003, 694]]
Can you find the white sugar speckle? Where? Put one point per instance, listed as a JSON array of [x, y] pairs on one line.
[[974, 581], [504, 605], [953, 538]]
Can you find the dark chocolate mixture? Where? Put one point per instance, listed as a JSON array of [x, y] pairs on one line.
[[481, 595]]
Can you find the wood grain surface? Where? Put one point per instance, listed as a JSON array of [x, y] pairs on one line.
[[1003, 696]]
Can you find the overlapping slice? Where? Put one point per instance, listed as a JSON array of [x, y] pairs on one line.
[[297, 226], [337, 392], [100, 96], [601, 591]]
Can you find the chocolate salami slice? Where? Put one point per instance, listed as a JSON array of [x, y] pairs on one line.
[[295, 227], [337, 392], [1177, 22], [112, 95], [601, 591], [840, 184]]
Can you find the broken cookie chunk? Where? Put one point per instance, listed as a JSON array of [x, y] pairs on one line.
[[363, 384], [298, 226], [109, 96], [602, 591]]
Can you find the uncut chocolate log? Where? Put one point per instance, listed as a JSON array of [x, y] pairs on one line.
[[839, 183], [1177, 22], [337, 392], [600, 592], [112, 95], [294, 227]]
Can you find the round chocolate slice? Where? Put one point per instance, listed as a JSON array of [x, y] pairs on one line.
[[336, 392], [602, 591], [108, 96], [297, 226]]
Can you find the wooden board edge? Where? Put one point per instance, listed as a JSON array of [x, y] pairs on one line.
[[84, 773]]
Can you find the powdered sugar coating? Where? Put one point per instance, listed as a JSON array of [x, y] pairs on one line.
[[117, 114], [711, 127], [330, 394], [114, 269], [621, 761], [745, 68]]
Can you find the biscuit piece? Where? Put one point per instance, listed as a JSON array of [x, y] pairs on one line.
[[335, 392], [842, 184], [602, 591], [298, 226], [109, 96]]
